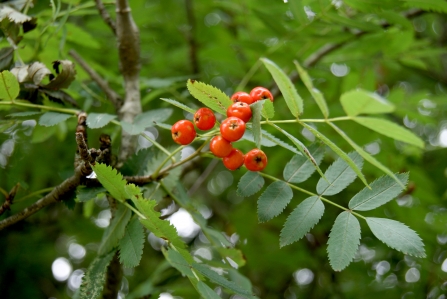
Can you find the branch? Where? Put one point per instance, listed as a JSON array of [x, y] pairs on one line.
[[128, 39], [105, 15], [190, 36], [9, 198], [110, 93]]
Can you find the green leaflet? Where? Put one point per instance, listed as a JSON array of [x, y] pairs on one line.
[[360, 101], [85, 194], [301, 148], [397, 235], [274, 200], [301, 220], [99, 120], [268, 110], [220, 280], [339, 175], [234, 254], [338, 151], [287, 88], [138, 162], [210, 96], [94, 278], [430, 5], [344, 240], [9, 86], [206, 292], [131, 244], [382, 191], [256, 122], [178, 262], [115, 231], [179, 105], [316, 94], [390, 129], [372, 5], [300, 168], [49, 119], [146, 119], [250, 183], [366, 155], [112, 180]]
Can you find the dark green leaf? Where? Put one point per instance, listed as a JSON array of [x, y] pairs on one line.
[[301, 220], [300, 168], [178, 262], [273, 200], [115, 231], [94, 278], [339, 175], [99, 120], [256, 122], [146, 119], [86, 194], [382, 191], [206, 292], [344, 240], [25, 113], [132, 244], [49, 119], [6, 56], [250, 183], [137, 164]]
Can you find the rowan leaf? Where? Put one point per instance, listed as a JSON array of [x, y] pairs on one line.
[[273, 200], [112, 180], [131, 244], [95, 276], [206, 292], [85, 194], [382, 191], [300, 168], [268, 110], [9, 87], [397, 235], [339, 175], [360, 101], [115, 231], [256, 123], [145, 120], [179, 105], [49, 119], [250, 183], [210, 96], [344, 240], [178, 262], [99, 120], [286, 86], [301, 220]]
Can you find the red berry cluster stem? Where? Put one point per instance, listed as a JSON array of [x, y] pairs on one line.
[[231, 129]]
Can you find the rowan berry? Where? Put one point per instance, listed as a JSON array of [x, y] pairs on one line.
[[220, 147], [234, 160], [261, 93], [241, 96], [204, 119], [232, 128], [255, 160], [241, 110], [183, 132]]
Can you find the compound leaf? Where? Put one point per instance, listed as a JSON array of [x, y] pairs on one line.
[[344, 240], [273, 200]]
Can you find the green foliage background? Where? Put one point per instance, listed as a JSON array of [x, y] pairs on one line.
[[402, 59]]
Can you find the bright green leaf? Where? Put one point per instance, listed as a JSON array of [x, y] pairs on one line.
[[397, 235], [339, 175], [209, 95], [360, 101], [382, 191], [256, 122], [301, 220], [338, 151], [112, 180], [274, 200], [390, 129], [287, 88], [232, 253], [49, 119], [99, 120], [300, 168], [344, 240], [250, 183], [132, 243], [93, 280], [316, 94], [427, 5], [115, 231], [9, 86], [268, 110]]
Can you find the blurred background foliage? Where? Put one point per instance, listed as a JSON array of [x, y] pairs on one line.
[[394, 48]]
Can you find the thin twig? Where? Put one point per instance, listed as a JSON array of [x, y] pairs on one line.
[[114, 97], [8, 200], [105, 15]]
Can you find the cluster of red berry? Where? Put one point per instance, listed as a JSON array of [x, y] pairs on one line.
[[231, 129]]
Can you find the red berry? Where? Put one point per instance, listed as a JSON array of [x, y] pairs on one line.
[[220, 147], [261, 93], [183, 132], [241, 110], [255, 160], [241, 96], [204, 119], [232, 128], [234, 160]]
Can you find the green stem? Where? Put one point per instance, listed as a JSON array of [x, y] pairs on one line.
[[35, 193], [159, 146], [157, 171], [134, 210], [249, 74], [20, 104], [307, 120]]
